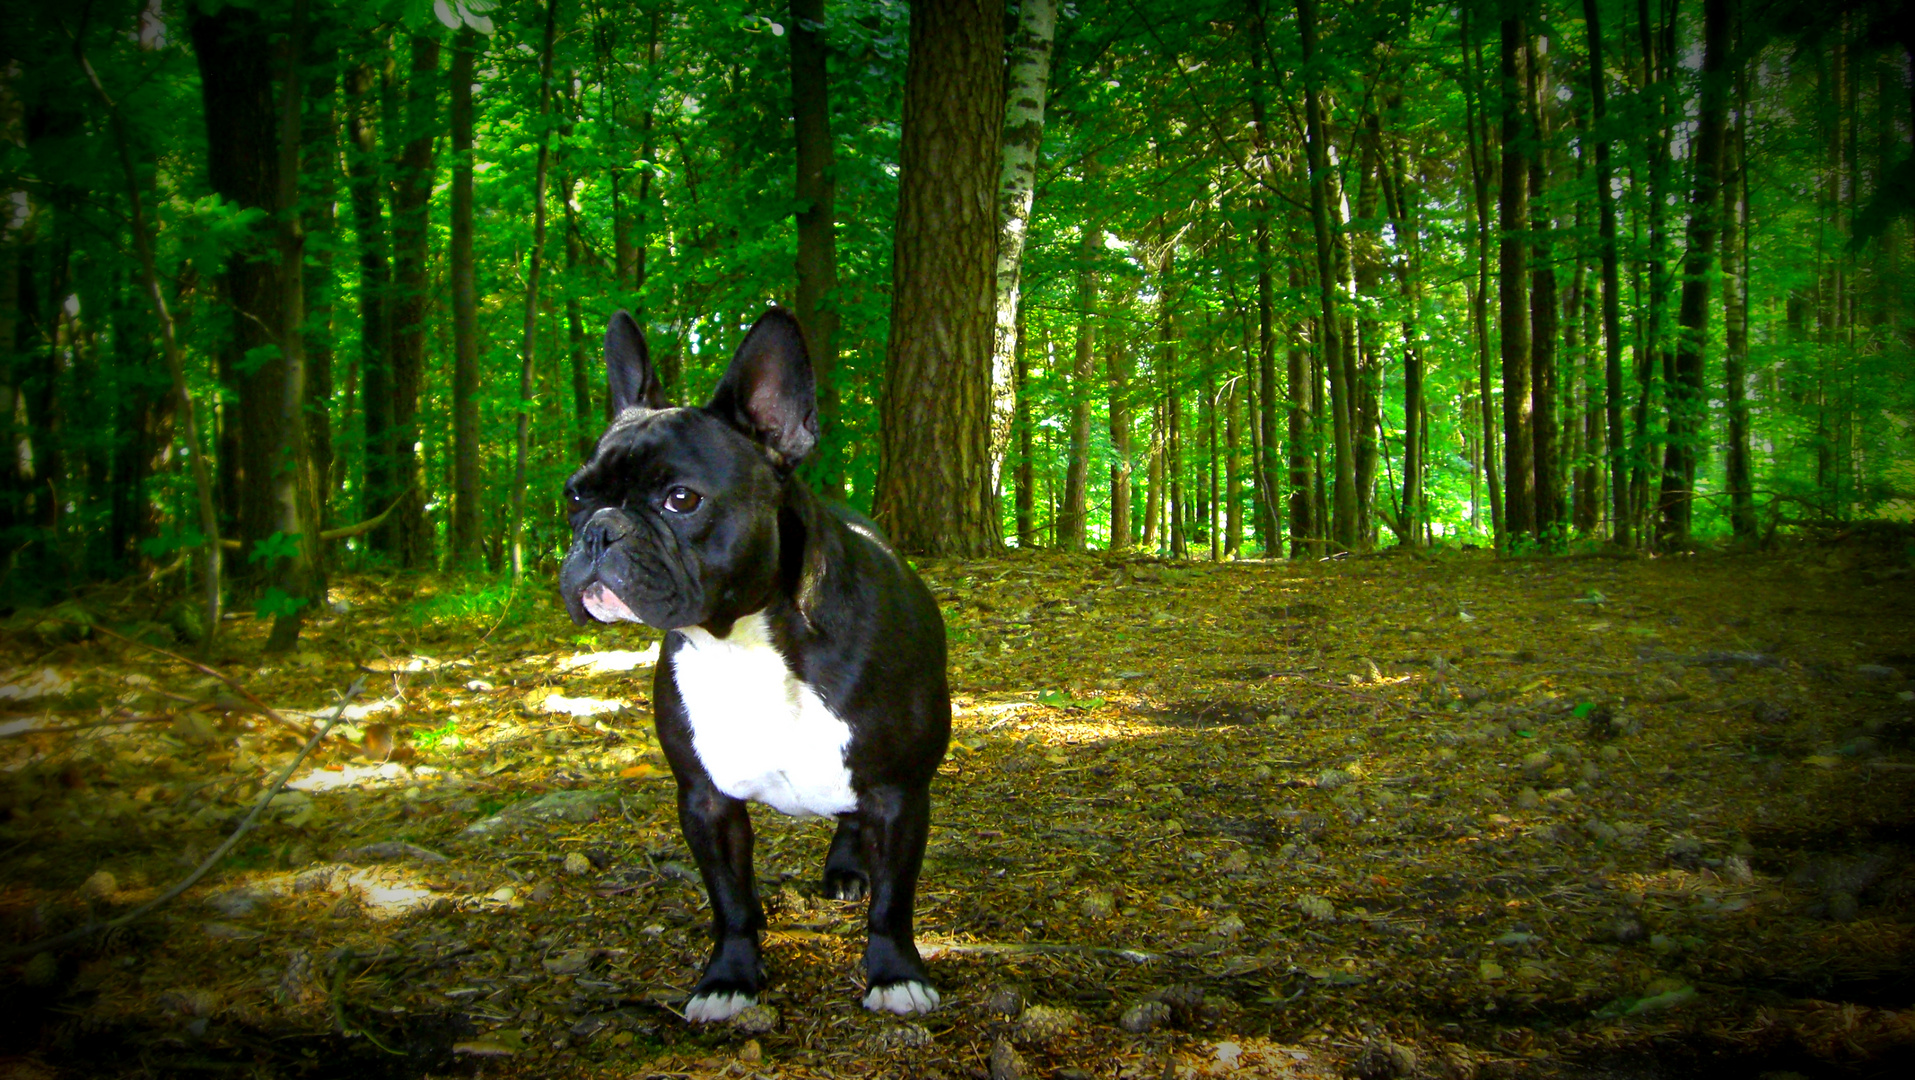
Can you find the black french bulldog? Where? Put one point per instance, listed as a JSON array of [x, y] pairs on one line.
[[803, 665]]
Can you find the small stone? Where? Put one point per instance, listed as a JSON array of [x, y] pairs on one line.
[[576, 863], [756, 1019], [751, 1053], [101, 885], [236, 903], [1006, 1001], [1005, 1062], [1535, 764], [1331, 779], [1601, 831], [1228, 926], [1736, 869], [1145, 1016], [902, 1037], [1625, 931], [1316, 907], [1236, 862], [570, 962], [1685, 851], [1878, 672], [1042, 1023], [1383, 1059], [1097, 904], [1527, 799], [1489, 970]]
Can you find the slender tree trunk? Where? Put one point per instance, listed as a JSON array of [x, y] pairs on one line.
[[1297, 371], [1269, 465], [320, 150], [1026, 535], [1519, 477], [1072, 520], [1117, 373], [1543, 382], [1687, 404], [1478, 122], [1344, 518], [817, 264], [212, 556], [1232, 479], [466, 516], [934, 490], [1211, 531], [1154, 478], [534, 261], [1657, 49], [1403, 219], [1611, 285], [1735, 283], [1027, 77]]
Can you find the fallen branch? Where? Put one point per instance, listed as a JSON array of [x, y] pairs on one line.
[[259, 806], [345, 531], [265, 710], [933, 950], [63, 729]]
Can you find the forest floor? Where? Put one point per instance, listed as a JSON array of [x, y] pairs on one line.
[[1443, 815]]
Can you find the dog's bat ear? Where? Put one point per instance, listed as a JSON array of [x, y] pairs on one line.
[[628, 367], [767, 392]]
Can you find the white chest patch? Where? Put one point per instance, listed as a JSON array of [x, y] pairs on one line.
[[761, 732]]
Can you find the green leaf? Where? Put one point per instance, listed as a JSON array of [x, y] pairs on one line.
[[277, 602]]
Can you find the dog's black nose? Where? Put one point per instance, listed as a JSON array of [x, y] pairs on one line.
[[605, 528]]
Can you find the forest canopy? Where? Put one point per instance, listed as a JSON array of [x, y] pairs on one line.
[[319, 286]]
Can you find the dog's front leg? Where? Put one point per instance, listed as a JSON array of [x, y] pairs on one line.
[[896, 821], [718, 827]]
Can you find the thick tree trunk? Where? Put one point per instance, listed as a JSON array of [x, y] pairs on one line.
[[1027, 76], [934, 489], [528, 355], [320, 151], [467, 519], [1072, 518], [1611, 284], [375, 284], [235, 52], [1343, 519], [1117, 374], [1519, 478], [408, 536], [817, 263], [1687, 404]]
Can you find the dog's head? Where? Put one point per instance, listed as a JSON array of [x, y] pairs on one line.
[[675, 518]]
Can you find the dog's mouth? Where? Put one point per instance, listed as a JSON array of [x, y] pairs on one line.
[[604, 605]]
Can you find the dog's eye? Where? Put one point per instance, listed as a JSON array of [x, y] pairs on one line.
[[682, 500]]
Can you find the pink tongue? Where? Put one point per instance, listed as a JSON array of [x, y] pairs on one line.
[[605, 606]]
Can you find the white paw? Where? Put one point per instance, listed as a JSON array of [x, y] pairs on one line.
[[713, 1008], [904, 998]]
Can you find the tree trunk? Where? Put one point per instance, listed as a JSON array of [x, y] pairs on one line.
[[320, 149], [1027, 78], [1117, 373], [1232, 478], [1071, 521], [934, 490], [1519, 478], [1657, 48], [466, 516], [1398, 198], [1735, 358], [522, 448], [1269, 463], [817, 263], [1343, 520], [1026, 534], [362, 176], [1611, 285], [409, 537], [1154, 479], [1687, 404], [294, 491], [235, 52], [1478, 123], [1302, 436], [1543, 382]]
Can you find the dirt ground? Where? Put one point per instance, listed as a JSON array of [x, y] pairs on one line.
[[1443, 815]]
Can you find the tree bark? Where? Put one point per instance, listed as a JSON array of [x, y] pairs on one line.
[[1269, 463], [528, 355], [1519, 478], [817, 263], [1611, 286], [1687, 404], [1028, 77], [1022, 510], [362, 176], [1478, 123], [320, 150], [1343, 518], [934, 490], [1735, 283], [1658, 43], [1072, 518], [466, 516], [407, 535], [1232, 477], [1543, 382], [1117, 373]]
